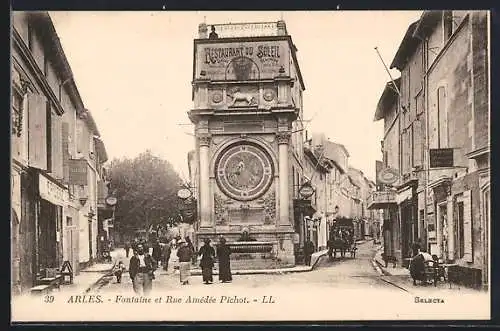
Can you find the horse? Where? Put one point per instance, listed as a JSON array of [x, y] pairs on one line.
[[339, 241]]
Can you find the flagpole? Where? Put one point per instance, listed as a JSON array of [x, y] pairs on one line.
[[388, 72]]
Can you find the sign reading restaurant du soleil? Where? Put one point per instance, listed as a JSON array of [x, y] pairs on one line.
[[215, 59]]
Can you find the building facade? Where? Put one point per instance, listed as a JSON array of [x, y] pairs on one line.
[[247, 94], [340, 191], [442, 114], [46, 208]]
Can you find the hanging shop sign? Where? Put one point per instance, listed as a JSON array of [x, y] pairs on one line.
[[184, 193], [111, 200], [51, 191], [78, 172], [306, 190], [388, 176]]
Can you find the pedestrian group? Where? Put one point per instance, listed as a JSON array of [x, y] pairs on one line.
[[143, 265]]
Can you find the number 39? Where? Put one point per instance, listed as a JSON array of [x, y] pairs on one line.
[[48, 298]]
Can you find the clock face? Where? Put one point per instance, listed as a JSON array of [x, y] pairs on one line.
[[244, 171]]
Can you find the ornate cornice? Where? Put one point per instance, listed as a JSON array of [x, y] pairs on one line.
[[283, 137]]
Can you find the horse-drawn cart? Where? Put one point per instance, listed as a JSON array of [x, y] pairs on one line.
[[341, 239]]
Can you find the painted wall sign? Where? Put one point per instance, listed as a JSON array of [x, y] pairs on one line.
[[246, 29], [242, 60], [52, 192], [441, 157]]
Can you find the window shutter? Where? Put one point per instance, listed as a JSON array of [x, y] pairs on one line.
[[451, 230], [468, 257], [57, 147], [37, 128], [417, 143]]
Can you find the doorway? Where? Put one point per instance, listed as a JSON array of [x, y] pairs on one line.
[[442, 216], [47, 239], [90, 238], [407, 228]]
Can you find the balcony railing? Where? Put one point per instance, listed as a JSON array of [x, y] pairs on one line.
[[382, 199]]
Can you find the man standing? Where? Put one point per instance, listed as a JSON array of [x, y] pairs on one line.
[[127, 248], [308, 251], [166, 250], [141, 269]]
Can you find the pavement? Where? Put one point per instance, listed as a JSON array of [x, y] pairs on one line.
[[400, 277], [340, 289], [392, 269]]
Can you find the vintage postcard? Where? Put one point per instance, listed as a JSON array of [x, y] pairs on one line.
[[250, 166]]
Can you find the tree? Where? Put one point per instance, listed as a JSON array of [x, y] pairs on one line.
[[146, 190]]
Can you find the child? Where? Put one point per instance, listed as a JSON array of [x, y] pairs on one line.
[[119, 269]]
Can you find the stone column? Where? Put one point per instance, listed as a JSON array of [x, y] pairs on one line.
[[283, 141], [204, 183]]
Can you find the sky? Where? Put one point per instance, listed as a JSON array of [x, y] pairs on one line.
[[134, 70]]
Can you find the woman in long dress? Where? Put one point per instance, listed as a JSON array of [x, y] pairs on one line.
[[184, 254], [207, 253], [223, 253]]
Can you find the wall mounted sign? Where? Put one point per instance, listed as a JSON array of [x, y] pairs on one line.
[[388, 176], [242, 60], [244, 171], [441, 157], [52, 192]]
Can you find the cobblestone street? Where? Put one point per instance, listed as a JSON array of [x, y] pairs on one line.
[[343, 274]]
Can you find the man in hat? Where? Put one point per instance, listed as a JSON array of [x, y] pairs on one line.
[[184, 253], [141, 270]]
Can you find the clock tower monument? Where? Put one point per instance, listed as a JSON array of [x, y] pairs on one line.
[[247, 94]]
